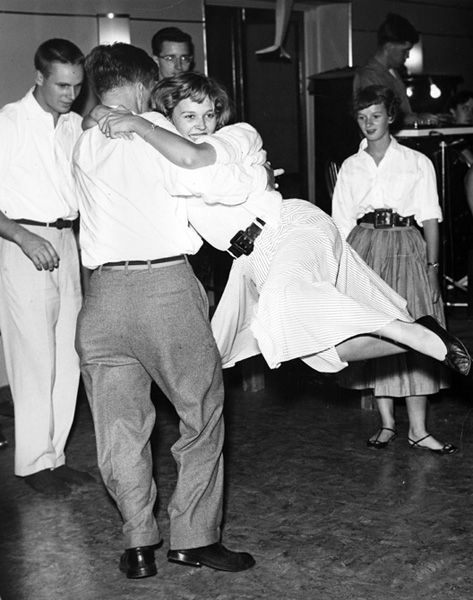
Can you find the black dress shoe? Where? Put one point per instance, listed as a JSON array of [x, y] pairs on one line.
[[215, 556], [457, 357], [138, 562], [45, 483], [72, 476]]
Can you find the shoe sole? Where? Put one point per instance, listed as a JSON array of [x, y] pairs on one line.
[[188, 562], [140, 573]]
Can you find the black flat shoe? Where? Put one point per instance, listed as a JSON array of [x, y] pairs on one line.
[[137, 563], [214, 556], [45, 483], [379, 445], [445, 449], [458, 357]]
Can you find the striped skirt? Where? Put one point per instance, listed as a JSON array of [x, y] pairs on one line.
[[398, 255], [314, 290]]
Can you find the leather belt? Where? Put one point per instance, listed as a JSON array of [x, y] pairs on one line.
[[58, 223], [142, 264], [385, 218], [243, 242]]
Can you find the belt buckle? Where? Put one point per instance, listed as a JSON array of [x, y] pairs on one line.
[[402, 221], [60, 223], [241, 243], [383, 218]]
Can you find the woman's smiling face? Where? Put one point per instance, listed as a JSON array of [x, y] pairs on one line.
[[194, 119], [374, 122]]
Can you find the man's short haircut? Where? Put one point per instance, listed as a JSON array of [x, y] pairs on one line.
[[397, 30], [56, 50], [110, 67], [170, 91], [460, 98], [376, 94], [171, 34]]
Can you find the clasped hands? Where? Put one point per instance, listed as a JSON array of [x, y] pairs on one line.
[[116, 122]]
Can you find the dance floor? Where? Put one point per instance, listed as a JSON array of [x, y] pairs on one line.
[[325, 517]]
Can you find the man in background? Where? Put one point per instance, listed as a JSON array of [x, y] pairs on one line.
[[173, 51], [40, 294], [460, 108], [396, 37]]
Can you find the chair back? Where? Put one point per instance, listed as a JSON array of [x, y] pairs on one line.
[[331, 173]]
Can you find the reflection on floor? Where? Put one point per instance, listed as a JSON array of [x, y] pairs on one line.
[[325, 517]]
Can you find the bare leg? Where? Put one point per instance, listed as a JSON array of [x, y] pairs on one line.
[[410, 335], [364, 347], [417, 412], [416, 337], [386, 412]]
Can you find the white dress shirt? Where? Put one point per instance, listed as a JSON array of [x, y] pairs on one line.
[[35, 162], [228, 196], [404, 180], [127, 212]]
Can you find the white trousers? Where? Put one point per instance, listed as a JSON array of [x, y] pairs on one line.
[[38, 315]]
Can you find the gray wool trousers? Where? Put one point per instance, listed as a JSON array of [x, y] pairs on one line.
[[142, 325]]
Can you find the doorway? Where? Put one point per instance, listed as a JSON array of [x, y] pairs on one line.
[[268, 91]]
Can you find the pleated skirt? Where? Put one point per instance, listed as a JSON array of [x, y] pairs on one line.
[[398, 256]]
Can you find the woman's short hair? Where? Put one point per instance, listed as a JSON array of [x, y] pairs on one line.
[[376, 94], [170, 91]]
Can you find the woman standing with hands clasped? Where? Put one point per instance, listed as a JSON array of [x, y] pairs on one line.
[[386, 193]]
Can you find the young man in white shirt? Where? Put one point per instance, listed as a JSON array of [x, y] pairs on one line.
[[40, 293], [145, 318]]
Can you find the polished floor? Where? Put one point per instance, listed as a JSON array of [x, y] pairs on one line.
[[325, 517]]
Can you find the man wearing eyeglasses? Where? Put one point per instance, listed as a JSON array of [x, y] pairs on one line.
[[173, 51]]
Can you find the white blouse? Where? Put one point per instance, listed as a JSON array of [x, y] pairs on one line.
[[229, 195], [404, 180]]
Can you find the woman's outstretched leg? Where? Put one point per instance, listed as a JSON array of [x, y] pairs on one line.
[[399, 336], [364, 347]]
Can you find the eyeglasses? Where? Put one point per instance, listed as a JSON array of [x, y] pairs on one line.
[[185, 59]]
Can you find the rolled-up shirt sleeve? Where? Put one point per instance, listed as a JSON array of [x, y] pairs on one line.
[[427, 201]]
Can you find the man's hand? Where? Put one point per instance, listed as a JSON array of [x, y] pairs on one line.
[[117, 123], [41, 252], [100, 114]]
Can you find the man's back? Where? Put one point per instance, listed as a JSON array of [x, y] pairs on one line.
[[126, 214]]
